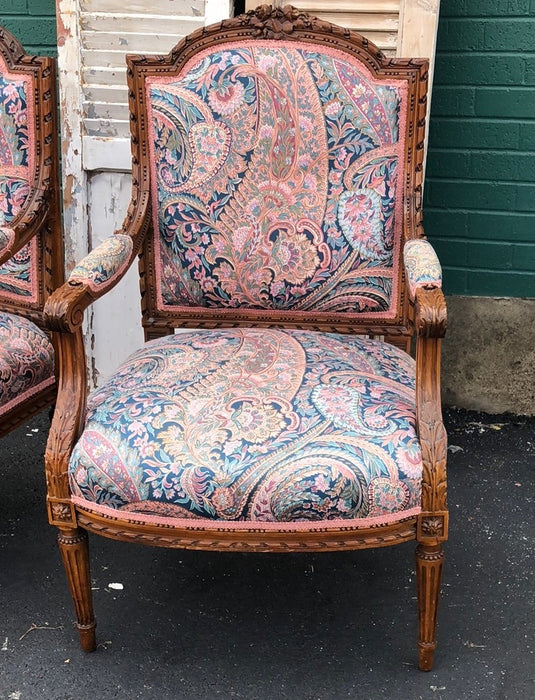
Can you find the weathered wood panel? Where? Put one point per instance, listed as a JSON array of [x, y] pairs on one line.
[[109, 196], [157, 7], [110, 29], [318, 7]]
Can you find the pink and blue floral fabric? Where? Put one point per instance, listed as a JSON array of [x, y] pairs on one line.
[[265, 425], [104, 263], [26, 360], [422, 265], [278, 181], [16, 163]]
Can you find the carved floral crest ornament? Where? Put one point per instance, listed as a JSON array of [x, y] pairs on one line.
[[277, 169]]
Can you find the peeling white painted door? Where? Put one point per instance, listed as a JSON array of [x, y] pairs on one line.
[[93, 38]]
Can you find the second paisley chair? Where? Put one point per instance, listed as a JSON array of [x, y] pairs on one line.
[[276, 208], [31, 250]]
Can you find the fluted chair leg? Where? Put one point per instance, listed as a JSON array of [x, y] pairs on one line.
[[429, 564], [74, 550]]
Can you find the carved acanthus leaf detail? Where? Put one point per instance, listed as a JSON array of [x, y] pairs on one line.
[[431, 313]]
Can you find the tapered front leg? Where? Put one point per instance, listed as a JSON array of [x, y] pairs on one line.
[[74, 550], [429, 565]]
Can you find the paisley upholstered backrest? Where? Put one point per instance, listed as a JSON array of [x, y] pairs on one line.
[[17, 153], [278, 180]]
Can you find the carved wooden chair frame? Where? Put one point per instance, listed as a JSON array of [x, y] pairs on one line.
[[39, 217], [421, 313]]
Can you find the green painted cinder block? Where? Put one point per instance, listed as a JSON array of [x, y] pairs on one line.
[[485, 8], [505, 226], [31, 32], [451, 253], [524, 258], [514, 167], [516, 103], [453, 101], [481, 165], [446, 163], [40, 7], [454, 280], [489, 256], [479, 197], [460, 35], [16, 7], [481, 69], [527, 136], [33, 22], [459, 132], [442, 223], [525, 199], [472, 195], [495, 283], [478, 225], [517, 32]]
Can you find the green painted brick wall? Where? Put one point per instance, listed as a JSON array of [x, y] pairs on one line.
[[479, 205], [33, 22]]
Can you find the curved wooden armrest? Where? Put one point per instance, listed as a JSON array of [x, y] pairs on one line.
[[64, 309], [25, 225]]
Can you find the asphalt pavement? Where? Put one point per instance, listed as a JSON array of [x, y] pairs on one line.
[[180, 624]]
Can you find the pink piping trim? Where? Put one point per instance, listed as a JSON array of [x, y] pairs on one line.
[[196, 524], [341, 55], [26, 395]]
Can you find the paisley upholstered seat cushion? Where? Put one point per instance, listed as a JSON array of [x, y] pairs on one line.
[[254, 425], [26, 360]]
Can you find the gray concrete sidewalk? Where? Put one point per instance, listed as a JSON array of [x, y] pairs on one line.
[[323, 626]]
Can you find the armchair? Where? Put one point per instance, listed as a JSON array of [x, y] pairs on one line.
[[31, 254], [277, 172]]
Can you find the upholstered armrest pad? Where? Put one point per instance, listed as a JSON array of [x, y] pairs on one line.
[[421, 265], [103, 264]]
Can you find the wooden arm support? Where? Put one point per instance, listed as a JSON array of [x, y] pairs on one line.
[[64, 310], [64, 314], [66, 425], [430, 313], [430, 322]]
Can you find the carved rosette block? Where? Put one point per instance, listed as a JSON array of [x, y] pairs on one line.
[[61, 512], [432, 527]]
